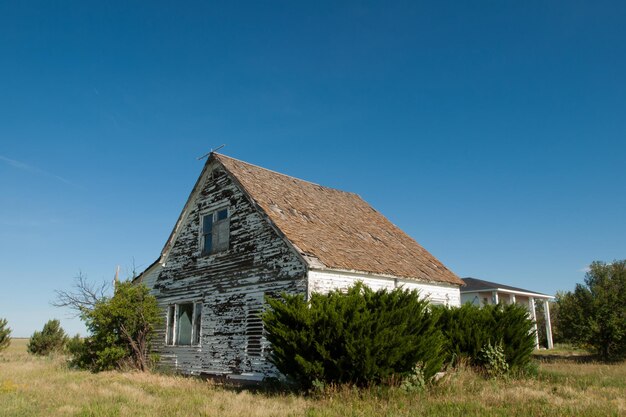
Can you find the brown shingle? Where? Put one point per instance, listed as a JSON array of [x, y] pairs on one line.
[[337, 228]]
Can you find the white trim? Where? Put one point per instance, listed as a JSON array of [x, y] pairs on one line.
[[193, 324], [506, 291], [533, 313], [357, 273], [169, 341], [546, 314], [175, 326]]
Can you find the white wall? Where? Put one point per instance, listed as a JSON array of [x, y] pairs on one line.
[[323, 281]]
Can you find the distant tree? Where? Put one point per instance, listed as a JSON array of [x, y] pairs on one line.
[[593, 316], [5, 334], [121, 329], [51, 339]]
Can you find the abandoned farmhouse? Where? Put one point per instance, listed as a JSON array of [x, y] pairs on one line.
[[245, 232]]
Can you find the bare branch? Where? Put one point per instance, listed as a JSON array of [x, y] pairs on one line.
[[84, 295]]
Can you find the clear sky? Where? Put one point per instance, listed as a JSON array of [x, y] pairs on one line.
[[492, 132]]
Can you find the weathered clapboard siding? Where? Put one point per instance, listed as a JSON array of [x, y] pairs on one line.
[[323, 281], [150, 275], [230, 284]]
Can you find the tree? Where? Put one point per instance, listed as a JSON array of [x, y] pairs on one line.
[[121, 329], [51, 339], [593, 316], [5, 334], [84, 296]]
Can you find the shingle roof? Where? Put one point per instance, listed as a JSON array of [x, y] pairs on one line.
[[335, 228], [474, 284]]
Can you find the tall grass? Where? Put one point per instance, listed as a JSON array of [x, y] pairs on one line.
[[33, 386]]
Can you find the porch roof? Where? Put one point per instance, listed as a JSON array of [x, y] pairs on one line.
[[479, 285]]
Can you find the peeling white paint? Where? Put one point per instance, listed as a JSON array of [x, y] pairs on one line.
[[323, 281]]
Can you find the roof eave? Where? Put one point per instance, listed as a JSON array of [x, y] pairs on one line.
[[382, 275], [508, 291]]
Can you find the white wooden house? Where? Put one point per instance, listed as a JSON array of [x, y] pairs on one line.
[[245, 232], [480, 293]]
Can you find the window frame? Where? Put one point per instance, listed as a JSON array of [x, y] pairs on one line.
[[213, 212], [171, 325]]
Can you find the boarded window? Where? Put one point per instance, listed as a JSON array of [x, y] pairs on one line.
[[184, 324], [215, 232], [254, 332]]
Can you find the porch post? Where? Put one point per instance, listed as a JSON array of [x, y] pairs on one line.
[[546, 310], [533, 315], [494, 297], [512, 298]]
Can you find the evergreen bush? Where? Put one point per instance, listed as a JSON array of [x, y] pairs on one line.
[[50, 339], [359, 336], [516, 333], [468, 329], [5, 334]]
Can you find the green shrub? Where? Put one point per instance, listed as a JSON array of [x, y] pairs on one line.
[[77, 349], [359, 337], [515, 332], [51, 339], [121, 329], [468, 329], [5, 334], [493, 360], [415, 380]]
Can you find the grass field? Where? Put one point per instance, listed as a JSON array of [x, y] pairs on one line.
[[31, 386]]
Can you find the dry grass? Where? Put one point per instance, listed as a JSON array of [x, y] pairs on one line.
[[31, 386]]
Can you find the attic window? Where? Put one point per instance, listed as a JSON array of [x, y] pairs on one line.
[[215, 232]]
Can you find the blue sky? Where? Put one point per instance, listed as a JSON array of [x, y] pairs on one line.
[[492, 132]]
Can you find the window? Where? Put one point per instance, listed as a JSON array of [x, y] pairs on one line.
[[184, 324], [215, 232]]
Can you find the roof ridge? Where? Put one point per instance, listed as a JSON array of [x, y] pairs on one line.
[[221, 155]]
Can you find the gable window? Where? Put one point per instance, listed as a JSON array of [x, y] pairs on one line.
[[215, 232], [184, 324]]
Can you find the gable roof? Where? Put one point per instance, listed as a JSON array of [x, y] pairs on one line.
[[474, 285], [335, 229]]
